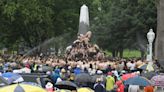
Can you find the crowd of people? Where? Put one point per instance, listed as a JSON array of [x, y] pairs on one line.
[[109, 72], [81, 58]]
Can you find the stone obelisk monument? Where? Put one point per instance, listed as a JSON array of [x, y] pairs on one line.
[[84, 20]]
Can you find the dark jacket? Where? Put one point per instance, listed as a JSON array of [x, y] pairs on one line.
[[99, 87]]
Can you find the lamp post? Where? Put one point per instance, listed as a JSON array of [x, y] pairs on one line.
[[150, 37]]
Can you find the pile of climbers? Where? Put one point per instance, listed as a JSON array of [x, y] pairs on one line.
[[82, 49]]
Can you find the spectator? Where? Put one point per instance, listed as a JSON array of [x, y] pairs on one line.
[[77, 70], [132, 66], [99, 86], [55, 76], [120, 86], [63, 74], [110, 81], [134, 88], [149, 89]]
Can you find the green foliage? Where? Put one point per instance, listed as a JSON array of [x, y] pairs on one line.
[[119, 23], [115, 23]]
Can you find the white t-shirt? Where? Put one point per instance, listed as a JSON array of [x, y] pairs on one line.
[[25, 70], [133, 88], [129, 64], [115, 73], [132, 67]]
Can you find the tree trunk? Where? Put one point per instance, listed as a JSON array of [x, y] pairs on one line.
[[113, 53], [159, 44], [121, 53], [117, 53], [142, 54]]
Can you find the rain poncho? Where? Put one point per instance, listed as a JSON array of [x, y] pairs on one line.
[[109, 83]]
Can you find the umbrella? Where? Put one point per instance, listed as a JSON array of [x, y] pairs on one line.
[[146, 67], [84, 90], [46, 68], [158, 80], [21, 88], [137, 80], [3, 82], [83, 78], [62, 90], [66, 85], [31, 83], [127, 76], [148, 75], [12, 77], [143, 67]]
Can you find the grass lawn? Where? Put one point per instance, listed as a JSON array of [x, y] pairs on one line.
[[127, 53], [131, 53]]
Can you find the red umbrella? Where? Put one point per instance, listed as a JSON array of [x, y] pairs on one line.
[[127, 76]]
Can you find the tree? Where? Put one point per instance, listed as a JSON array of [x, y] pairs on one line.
[[119, 23], [122, 22], [35, 21]]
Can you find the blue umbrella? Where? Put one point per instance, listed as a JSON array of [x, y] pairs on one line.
[[137, 80], [12, 77], [143, 67]]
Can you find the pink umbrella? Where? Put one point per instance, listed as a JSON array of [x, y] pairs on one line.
[[127, 76], [158, 80]]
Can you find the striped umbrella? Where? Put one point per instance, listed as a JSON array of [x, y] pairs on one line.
[[21, 88], [158, 80]]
